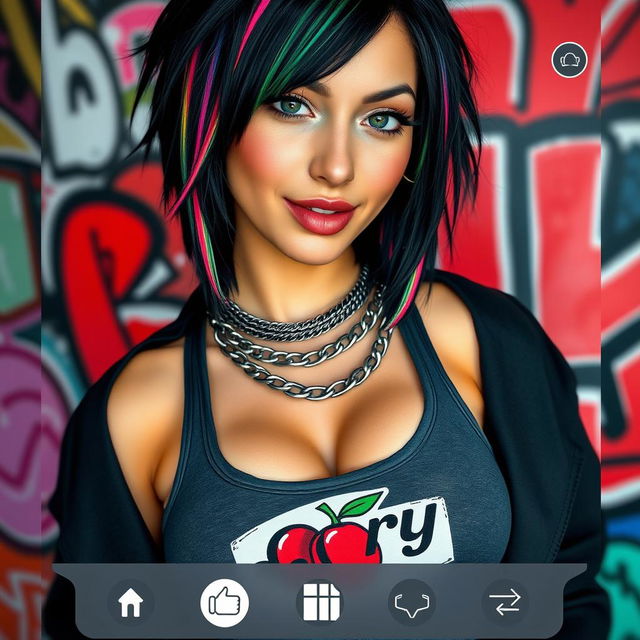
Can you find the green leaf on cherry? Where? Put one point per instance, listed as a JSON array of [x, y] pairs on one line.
[[359, 506]]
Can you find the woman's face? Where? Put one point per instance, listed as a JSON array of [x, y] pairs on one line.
[[340, 145]]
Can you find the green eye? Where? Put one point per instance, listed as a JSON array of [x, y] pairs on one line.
[[290, 106], [382, 119]]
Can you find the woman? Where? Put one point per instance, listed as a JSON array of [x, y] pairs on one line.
[[324, 374]]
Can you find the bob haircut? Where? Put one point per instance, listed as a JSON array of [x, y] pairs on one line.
[[215, 63]]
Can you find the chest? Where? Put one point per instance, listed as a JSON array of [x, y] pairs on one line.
[[266, 433]]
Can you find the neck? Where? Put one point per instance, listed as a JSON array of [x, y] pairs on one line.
[[273, 286]]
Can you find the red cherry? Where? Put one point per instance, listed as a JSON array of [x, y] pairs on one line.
[[343, 542], [291, 544]]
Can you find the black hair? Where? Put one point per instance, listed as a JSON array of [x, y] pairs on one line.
[[252, 53]]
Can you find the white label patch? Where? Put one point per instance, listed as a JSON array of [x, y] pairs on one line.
[[352, 527]]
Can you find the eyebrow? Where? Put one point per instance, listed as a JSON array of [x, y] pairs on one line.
[[322, 89]]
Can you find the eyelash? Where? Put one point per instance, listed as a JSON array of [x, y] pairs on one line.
[[401, 116]]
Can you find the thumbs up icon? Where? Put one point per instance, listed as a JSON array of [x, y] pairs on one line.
[[224, 604]]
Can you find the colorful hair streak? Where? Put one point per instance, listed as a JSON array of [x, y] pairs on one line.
[[186, 99], [206, 248], [252, 23], [409, 294], [207, 94], [202, 152], [321, 24], [204, 240], [196, 216], [202, 147], [415, 277]]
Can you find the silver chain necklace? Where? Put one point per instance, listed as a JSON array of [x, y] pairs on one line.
[[304, 329], [239, 349], [226, 336]]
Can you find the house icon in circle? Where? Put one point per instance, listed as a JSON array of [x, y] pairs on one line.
[[130, 597]]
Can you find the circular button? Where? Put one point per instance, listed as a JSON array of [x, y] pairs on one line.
[[224, 602], [320, 602], [130, 602], [505, 602], [569, 59], [412, 602]]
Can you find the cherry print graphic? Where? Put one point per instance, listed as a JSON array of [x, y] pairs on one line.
[[345, 541], [291, 544]]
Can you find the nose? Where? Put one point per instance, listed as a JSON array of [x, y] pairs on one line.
[[333, 160]]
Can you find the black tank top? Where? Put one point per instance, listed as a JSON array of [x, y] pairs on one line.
[[440, 498]]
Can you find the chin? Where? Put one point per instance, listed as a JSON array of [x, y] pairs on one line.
[[313, 254]]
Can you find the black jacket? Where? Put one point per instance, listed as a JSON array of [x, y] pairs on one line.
[[531, 420]]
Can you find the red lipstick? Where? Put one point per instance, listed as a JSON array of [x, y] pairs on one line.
[[318, 222]]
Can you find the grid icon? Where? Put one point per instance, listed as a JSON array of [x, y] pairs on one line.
[[321, 602]]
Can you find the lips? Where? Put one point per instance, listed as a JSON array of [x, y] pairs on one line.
[[323, 203], [321, 223]]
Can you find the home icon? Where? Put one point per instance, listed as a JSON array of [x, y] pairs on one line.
[[130, 597]]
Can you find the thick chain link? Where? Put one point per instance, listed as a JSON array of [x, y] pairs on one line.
[[315, 392], [227, 336], [239, 349], [232, 314]]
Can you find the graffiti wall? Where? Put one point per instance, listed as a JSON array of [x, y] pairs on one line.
[[22, 584], [557, 223], [620, 373]]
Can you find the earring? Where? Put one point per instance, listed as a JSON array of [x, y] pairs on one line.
[[405, 177]]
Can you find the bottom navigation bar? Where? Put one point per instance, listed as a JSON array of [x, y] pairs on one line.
[[313, 600]]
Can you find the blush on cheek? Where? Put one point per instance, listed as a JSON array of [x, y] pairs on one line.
[[388, 172], [262, 157]]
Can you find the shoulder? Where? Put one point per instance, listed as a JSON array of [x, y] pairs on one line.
[[144, 415], [491, 308], [115, 435], [146, 377], [145, 404], [465, 318], [144, 389], [450, 325], [510, 337]]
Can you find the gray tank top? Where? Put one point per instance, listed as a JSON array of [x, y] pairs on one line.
[[440, 498]]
